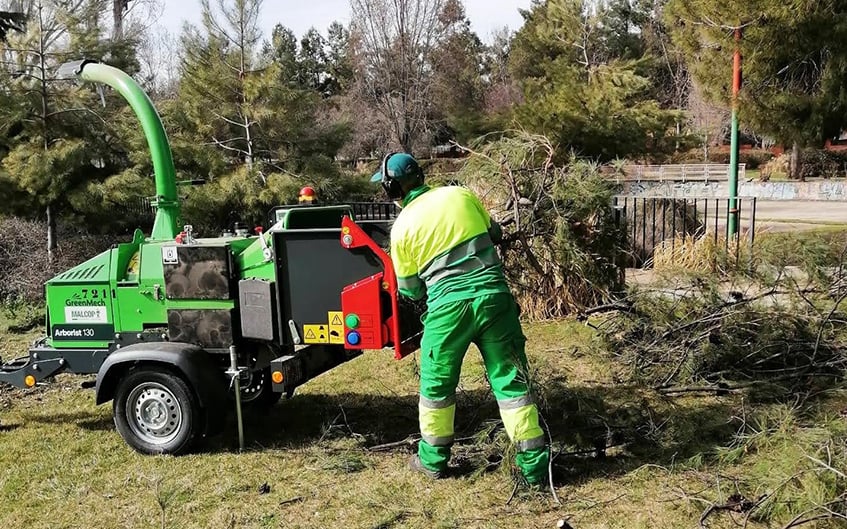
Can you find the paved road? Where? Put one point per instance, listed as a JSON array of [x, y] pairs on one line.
[[788, 215], [826, 212]]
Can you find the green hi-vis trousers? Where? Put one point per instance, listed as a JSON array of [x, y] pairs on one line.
[[491, 322]]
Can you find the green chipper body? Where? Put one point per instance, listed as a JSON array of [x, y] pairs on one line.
[[180, 330]]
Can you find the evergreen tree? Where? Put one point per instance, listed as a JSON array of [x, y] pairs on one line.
[[339, 64], [794, 64], [258, 107], [282, 51], [581, 92], [56, 141], [312, 61], [458, 88], [224, 87]]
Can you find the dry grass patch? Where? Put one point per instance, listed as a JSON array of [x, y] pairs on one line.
[[623, 454]]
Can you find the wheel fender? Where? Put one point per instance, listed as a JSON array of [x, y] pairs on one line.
[[204, 376]]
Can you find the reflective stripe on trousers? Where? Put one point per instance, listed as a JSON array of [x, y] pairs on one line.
[[436, 420], [520, 418]]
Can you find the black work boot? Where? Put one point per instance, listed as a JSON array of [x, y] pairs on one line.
[[416, 465]]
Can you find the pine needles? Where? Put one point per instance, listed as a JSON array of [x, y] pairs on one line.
[[561, 241]]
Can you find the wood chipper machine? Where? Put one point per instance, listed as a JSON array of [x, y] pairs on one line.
[[171, 323]]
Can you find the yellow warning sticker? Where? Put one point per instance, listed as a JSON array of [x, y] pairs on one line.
[[315, 334], [336, 326]]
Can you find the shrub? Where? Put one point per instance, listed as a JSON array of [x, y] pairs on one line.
[[24, 265], [820, 163], [754, 158], [778, 166]]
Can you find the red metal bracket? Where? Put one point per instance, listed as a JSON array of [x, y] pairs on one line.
[[353, 236]]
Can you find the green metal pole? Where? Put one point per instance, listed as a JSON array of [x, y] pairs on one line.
[[732, 213], [167, 200]]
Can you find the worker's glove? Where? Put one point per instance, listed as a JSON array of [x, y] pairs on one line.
[[495, 232]]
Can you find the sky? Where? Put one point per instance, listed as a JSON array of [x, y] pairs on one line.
[[299, 15]]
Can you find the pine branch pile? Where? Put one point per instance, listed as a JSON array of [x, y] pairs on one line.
[[561, 241], [784, 333]]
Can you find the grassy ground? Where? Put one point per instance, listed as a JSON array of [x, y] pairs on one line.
[[62, 463]]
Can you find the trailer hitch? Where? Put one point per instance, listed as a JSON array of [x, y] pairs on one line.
[[26, 372]]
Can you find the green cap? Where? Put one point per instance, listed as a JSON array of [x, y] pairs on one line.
[[400, 166]]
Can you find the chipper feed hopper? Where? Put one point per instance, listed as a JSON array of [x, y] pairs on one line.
[[170, 323]]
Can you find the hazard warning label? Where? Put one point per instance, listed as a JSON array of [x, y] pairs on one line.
[[315, 334], [336, 327]]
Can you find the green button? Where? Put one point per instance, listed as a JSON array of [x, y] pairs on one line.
[[352, 321]]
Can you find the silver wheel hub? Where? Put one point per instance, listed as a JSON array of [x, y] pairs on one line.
[[154, 412], [251, 385]]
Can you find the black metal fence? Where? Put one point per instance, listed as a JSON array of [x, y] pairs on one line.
[[375, 210], [651, 221]]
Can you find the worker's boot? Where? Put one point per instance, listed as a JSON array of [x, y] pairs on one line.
[[416, 465]]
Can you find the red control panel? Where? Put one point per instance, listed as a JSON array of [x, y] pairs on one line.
[[360, 303], [362, 300]]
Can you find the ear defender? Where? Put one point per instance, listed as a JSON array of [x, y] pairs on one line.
[[393, 188]]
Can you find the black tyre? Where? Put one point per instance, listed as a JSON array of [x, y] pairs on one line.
[[156, 412], [257, 389]]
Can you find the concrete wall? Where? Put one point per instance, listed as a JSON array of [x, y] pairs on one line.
[[831, 190]]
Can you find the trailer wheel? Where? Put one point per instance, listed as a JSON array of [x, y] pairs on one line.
[[156, 412], [257, 390]]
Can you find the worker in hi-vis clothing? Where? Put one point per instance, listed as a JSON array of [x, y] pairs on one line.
[[442, 246]]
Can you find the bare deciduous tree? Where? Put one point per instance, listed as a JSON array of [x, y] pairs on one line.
[[158, 60], [393, 42], [119, 8]]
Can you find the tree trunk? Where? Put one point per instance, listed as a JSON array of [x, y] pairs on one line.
[[248, 158], [118, 8], [52, 239], [405, 139], [794, 162]]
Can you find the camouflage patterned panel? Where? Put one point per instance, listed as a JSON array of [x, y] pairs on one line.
[[207, 328], [203, 272]]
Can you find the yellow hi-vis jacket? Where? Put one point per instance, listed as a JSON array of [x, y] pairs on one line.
[[442, 245]]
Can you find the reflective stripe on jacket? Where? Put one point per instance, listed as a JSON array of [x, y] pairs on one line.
[[442, 235]]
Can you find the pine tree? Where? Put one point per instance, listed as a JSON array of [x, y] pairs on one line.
[[312, 61], [222, 80], [258, 107], [339, 64], [582, 91], [56, 141], [794, 63], [458, 87]]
